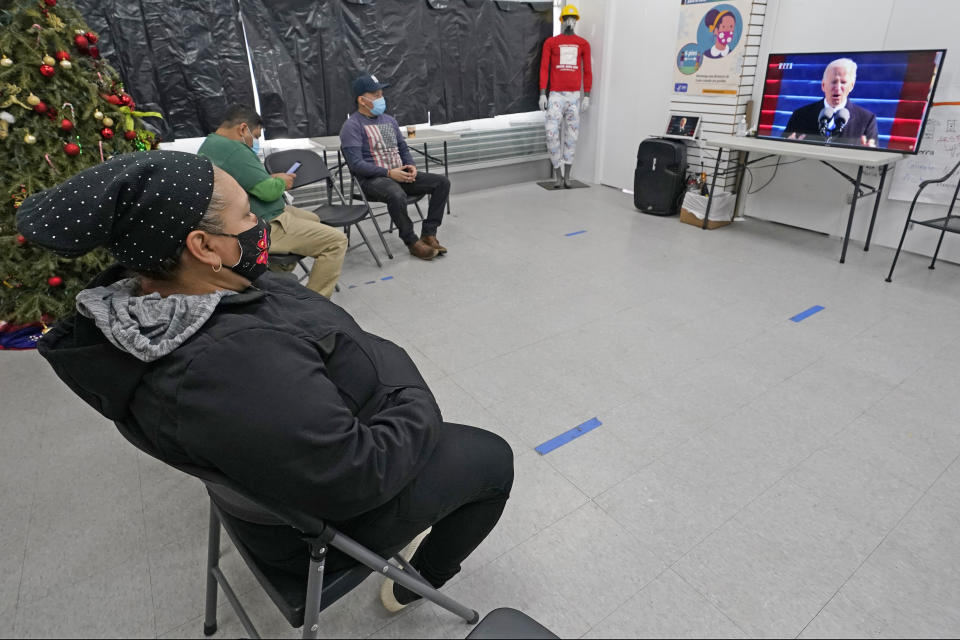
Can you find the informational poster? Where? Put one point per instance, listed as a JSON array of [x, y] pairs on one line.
[[939, 153], [710, 44]]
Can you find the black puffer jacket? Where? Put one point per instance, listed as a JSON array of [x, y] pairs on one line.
[[280, 390]]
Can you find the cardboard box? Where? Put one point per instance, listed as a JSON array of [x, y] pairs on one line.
[[689, 218], [695, 205]]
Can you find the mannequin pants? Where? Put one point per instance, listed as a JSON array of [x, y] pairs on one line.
[[565, 106]]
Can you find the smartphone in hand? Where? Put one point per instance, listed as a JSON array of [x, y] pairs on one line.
[[293, 168]]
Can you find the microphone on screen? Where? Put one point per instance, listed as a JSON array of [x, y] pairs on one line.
[[841, 117]]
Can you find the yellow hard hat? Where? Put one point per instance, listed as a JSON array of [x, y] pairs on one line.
[[568, 11]]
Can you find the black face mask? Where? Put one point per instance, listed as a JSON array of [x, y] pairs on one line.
[[254, 246]]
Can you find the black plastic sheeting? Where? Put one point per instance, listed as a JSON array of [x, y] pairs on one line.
[[183, 58], [456, 59]]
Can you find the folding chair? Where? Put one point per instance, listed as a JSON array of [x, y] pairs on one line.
[[949, 223], [356, 193], [299, 600], [345, 215]]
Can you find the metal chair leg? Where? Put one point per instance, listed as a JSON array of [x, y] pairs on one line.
[[903, 236], [376, 226], [311, 614], [370, 246], [946, 225], [213, 561]]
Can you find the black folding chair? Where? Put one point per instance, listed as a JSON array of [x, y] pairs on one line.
[[344, 215], [948, 223], [300, 600], [356, 193]]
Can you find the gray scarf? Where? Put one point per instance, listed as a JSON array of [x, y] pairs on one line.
[[147, 327]]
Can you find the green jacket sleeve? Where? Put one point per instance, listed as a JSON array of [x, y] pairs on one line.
[[268, 190]]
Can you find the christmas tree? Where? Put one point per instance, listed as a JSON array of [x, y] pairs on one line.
[[62, 109]]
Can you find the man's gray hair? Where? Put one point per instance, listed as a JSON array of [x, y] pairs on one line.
[[847, 64]]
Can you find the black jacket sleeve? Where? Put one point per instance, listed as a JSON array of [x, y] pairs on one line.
[[259, 406]]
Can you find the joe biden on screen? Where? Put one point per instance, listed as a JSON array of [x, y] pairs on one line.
[[835, 118]]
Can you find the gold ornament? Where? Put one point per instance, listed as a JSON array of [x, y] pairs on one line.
[[6, 62], [108, 122], [30, 138], [49, 60], [33, 100], [65, 64], [98, 115]]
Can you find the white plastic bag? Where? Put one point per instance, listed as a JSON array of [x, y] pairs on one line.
[[721, 210]]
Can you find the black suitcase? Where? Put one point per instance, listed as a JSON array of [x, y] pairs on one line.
[[658, 182]]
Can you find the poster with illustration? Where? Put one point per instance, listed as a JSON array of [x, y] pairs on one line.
[[710, 43]]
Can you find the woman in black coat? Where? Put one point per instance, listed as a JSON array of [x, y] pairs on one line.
[[220, 364]]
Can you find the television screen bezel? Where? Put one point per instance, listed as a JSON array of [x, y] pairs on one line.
[[926, 113]]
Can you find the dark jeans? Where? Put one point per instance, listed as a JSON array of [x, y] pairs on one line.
[[394, 194], [461, 493]]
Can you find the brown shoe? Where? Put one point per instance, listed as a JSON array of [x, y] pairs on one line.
[[422, 250], [432, 241]]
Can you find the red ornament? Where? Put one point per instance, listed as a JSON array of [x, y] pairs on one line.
[[94, 52], [66, 125], [21, 240], [82, 43], [126, 100], [71, 149], [114, 99], [40, 107], [47, 70], [92, 37], [50, 3], [130, 135], [54, 281], [61, 55], [107, 133]]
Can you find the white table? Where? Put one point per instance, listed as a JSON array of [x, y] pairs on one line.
[[825, 154]]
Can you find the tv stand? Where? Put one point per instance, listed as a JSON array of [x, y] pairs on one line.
[[825, 154]]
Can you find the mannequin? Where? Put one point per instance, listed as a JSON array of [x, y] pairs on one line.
[[565, 63]]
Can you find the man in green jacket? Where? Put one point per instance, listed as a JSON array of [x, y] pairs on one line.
[[233, 147]]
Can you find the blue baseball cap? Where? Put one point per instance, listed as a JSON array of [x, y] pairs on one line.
[[367, 84]]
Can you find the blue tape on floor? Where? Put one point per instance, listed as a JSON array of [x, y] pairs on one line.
[[564, 438], [576, 233], [353, 286], [806, 314], [387, 278], [371, 282]]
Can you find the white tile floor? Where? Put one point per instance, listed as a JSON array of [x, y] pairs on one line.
[[752, 477]]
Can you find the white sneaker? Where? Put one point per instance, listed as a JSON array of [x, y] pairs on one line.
[[390, 601]]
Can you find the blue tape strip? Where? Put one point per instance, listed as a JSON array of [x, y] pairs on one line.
[[353, 286], [564, 438], [576, 233], [387, 278], [370, 282], [806, 314]]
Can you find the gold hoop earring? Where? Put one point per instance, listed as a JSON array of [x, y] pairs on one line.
[[219, 267]]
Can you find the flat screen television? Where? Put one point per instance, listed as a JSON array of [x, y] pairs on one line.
[[867, 99]]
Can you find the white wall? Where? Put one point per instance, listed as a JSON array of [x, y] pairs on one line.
[[635, 73], [592, 26], [810, 195]]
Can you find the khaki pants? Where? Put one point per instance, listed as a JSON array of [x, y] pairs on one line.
[[301, 232]]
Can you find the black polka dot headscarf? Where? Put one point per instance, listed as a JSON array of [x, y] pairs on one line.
[[140, 206]]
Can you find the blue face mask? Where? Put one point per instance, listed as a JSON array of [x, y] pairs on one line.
[[379, 106], [254, 143]]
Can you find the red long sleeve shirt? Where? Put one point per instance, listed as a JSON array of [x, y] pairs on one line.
[[564, 61]]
